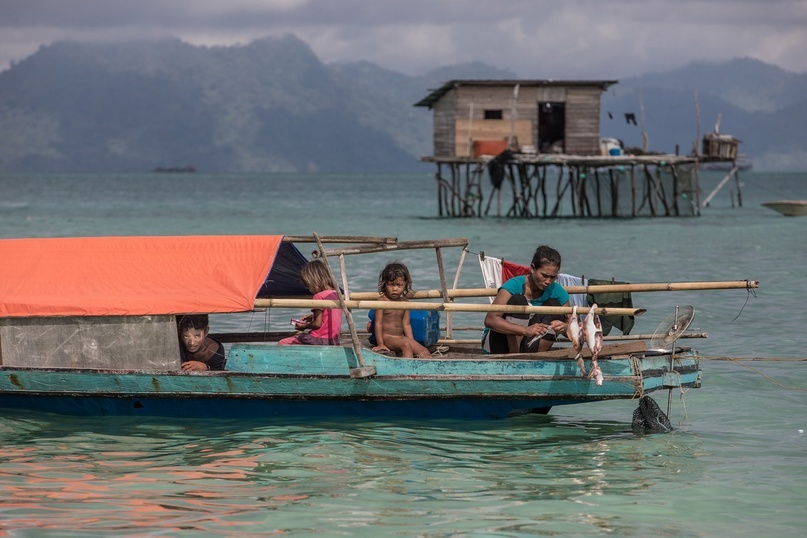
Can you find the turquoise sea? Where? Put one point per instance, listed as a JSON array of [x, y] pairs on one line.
[[736, 464]]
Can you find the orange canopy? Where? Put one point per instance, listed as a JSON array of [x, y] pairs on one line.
[[133, 276]]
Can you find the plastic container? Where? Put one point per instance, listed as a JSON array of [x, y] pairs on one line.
[[425, 326], [489, 147]]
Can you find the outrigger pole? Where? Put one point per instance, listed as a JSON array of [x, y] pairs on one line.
[[444, 307], [574, 290]]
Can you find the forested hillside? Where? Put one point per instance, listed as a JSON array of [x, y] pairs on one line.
[[273, 106]]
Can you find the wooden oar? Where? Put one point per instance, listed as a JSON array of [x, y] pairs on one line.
[[444, 307], [603, 288]]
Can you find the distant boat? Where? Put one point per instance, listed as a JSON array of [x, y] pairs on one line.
[[789, 208], [175, 169]]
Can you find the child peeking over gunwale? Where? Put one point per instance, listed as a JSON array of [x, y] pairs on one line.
[[199, 351]]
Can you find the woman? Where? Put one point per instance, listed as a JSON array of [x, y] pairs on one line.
[[514, 333]]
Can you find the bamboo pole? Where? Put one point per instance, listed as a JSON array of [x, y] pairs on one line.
[[273, 336], [676, 192], [339, 239], [437, 176], [443, 307], [363, 370], [343, 272], [449, 319], [397, 245], [563, 340], [573, 290]]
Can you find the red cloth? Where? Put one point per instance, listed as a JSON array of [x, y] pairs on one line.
[[510, 269], [133, 276]]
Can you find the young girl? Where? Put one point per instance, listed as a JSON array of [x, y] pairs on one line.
[[324, 325], [393, 331]]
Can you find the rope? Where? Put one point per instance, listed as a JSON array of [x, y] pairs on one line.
[[683, 404], [638, 369], [735, 359], [751, 293], [772, 380], [766, 188]]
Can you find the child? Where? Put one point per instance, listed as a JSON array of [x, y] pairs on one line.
[[393, 331], [198, 350], [324, 324]]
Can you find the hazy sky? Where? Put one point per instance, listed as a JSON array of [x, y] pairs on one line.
[[594, 39]]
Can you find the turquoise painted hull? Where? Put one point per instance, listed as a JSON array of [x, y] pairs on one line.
[[313, 381]]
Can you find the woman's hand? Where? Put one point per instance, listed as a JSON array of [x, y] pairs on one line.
[[536, 329], [381, 349], [558, 326], [194, 366]]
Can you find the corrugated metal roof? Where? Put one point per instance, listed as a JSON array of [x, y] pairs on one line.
[[436, 95]]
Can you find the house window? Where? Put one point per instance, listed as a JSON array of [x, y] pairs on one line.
[[493, 114]]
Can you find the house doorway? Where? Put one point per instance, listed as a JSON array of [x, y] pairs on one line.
[[551, 127]]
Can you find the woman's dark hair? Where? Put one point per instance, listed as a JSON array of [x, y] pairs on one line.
[[392, 271], [193, 321], [545, 255]]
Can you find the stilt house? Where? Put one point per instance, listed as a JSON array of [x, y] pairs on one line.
[[485, 117]]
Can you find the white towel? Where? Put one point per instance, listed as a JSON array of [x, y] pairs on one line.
[[578, 299], [491, 272]]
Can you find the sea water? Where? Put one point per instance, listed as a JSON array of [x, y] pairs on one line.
[[735, 465]]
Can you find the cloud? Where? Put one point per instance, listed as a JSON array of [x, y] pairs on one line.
[[534, 38]]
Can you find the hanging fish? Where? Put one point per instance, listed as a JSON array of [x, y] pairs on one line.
[[592, 329], [574, 332]]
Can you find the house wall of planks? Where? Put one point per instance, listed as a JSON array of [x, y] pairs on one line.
[[507, 112]]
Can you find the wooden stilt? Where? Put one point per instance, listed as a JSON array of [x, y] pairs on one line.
[[580, 184]]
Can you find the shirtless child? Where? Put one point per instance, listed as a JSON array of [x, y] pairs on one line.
[[393, 329]]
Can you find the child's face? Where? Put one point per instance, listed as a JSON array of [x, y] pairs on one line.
[[193, 339], [394, 288]]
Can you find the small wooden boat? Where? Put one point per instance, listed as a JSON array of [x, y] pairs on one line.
[[789, 208], [88, 327]]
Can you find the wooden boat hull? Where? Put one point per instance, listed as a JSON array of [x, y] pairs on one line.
[[311, 381], [789, 208]]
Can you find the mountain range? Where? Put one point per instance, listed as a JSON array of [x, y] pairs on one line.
[[273, 106]]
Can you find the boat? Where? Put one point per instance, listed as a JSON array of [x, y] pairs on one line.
[[187, 169], [789, 208], [88, 327]]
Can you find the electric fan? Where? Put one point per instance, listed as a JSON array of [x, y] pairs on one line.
[[671, 328]]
